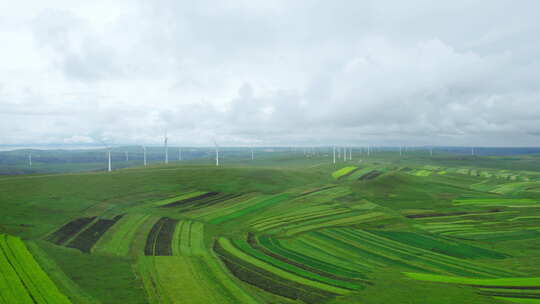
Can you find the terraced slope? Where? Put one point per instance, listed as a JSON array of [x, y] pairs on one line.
[[22, 280]]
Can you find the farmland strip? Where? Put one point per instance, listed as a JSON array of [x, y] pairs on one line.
[[62, 235], [86, 240]]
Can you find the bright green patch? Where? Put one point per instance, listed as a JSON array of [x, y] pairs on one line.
[[343, 172]]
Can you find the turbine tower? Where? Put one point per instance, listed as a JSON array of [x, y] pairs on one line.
[[334, 154], [144, 156], [179, 153], [166, 148], [30, 160], [127, 156], [350, 153], [217, 153], [252, 155], [472, 150], [109, 169]]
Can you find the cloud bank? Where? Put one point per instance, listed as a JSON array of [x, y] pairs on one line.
[[308, 72]]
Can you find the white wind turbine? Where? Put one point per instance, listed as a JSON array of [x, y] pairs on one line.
[[217, 153], [109, 169], [334, 154], [179, 153], [165, 139], [144, 156], [350, 153], [30, 160]]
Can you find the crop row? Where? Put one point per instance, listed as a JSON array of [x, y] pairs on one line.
[[270, 278], [82, 233], [21, 278], [512, 289], [188, 238], [179, 279], [159, 240], [119, 238], [87, 238], [391, 252], [254, 207], [343, 172]]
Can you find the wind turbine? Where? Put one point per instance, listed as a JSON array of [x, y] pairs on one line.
[[127, 156], [109, 169], [144, 156], [30, 160], [334, 154], [252, 155], [217, 153], [344, 154], [431, 151], [179, 153], [350, 153], [472, 150], [400, 151], [166, 148]]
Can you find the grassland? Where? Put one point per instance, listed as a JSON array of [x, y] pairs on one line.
[[282, 229]]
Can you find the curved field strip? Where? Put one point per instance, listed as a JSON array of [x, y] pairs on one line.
[[179, 279], [178, 198], [412, 255], [226, 207], [355, 250], [140, 239], [451, 248], [318, 249], [228, 246], [274, 222], [423, 173], [64, 283], [118, 239], [267, 280], [343, 172], [21, 278], [188, 238], [359, 173], [70, 230], [269, 244], [190, 199], [252, 208], [351, 219], [88, 238], [514, 188], [498, 202], [159, 240], [253, 249]]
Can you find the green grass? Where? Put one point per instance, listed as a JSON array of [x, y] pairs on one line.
[[22, 280], [499, 282], [343, 172], [250, 209], [498, 202], [312, 238]]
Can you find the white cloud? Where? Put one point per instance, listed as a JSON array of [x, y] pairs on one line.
[[279, 72]]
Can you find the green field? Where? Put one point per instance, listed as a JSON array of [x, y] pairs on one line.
[[285, 228]]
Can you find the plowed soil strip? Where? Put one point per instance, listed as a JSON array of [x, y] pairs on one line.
[[86, 240], [190, 200], [60, 236], [159, 240]]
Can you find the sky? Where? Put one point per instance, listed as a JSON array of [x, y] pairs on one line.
[[254, 72]]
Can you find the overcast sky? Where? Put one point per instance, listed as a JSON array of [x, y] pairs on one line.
[[270, 72]]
